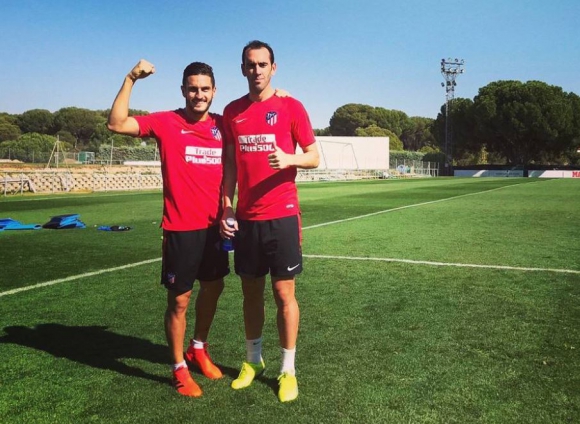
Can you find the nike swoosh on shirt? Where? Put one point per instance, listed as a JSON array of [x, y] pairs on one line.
[[186, 132], [239, 121], [290, 268]]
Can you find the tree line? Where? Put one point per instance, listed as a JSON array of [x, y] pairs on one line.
[[508, 122], [76, 128]]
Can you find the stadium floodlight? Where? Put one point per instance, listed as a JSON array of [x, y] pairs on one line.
[[449, 69]]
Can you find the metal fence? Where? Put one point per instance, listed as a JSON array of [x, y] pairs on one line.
[[59, 177], [110, 157], [413, 168], [60, 181]]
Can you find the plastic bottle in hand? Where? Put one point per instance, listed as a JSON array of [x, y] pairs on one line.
[[228, 244]]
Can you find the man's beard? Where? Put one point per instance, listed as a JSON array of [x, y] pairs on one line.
[[197, 112]]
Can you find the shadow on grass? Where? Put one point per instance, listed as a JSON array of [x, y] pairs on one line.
[[272, 383], [94, 346], [233, 373]]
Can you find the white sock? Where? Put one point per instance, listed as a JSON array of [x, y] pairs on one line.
[[288, 356], [254, 350], [180, 365], [197, 344]]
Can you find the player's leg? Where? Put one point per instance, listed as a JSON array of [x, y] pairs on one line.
[[250, 265], [253, 307], [205, 308], [178, 275], [214, 266], [175, 323], [287, 318], [288, 313], [286, 260]]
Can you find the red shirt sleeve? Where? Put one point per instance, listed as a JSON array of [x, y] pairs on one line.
[[226, 124], [146, 125]]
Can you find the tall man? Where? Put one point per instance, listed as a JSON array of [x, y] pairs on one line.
[[190, 146], [261, 135]]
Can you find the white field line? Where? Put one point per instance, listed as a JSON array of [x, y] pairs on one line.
[[458, 265], [77, 277], [409, 206], [104, 271]]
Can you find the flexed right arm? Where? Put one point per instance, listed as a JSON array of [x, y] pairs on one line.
[[119, 120]]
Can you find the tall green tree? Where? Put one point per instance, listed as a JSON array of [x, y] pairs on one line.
[[102, 136], [66, 137], [37, 121], [346, 119], [393, 120], [574, 152], [462, 138], [8, 117], [322, 131], [375, 131], [8, 130], [30, 147], [81, 123], [525, 122], [418, 134], [132, 112]]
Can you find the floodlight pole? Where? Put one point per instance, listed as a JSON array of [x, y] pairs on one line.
[[449, 69]]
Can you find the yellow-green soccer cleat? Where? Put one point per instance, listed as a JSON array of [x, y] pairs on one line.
[[288, 390], [248, 372]]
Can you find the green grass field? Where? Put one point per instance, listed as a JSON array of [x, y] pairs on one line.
[[422, 301]]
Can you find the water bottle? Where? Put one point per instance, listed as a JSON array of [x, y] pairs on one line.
[[228, 243]]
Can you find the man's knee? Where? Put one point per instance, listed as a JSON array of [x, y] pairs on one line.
[[284, 291], [178, 303], [211, 288], [253, 289]]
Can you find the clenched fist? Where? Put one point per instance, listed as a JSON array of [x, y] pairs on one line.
[[141, 70]]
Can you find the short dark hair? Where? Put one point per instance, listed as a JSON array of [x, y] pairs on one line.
[[255, 45], [198, 68]]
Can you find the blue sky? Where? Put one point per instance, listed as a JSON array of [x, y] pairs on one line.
[[60, 53]]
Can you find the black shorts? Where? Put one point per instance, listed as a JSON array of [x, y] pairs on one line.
[[268, 246], [192, 255]]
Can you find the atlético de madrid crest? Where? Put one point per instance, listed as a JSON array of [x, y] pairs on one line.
[[272, 118], [216, 133]]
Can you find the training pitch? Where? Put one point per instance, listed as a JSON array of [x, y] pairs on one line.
[[422, 301]]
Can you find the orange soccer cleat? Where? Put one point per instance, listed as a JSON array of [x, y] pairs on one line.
[[184, 384], [200, 358]]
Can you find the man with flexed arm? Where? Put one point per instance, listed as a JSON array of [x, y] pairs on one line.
[[261, 135], [190, 146]]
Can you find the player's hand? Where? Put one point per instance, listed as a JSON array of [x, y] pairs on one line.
[[279, 159], [225, 230], [141, 70], [279, 92]]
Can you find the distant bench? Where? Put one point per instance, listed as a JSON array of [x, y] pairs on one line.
[[21, 182]]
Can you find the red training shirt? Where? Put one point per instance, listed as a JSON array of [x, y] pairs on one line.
[[191, 165], [254, 127]]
